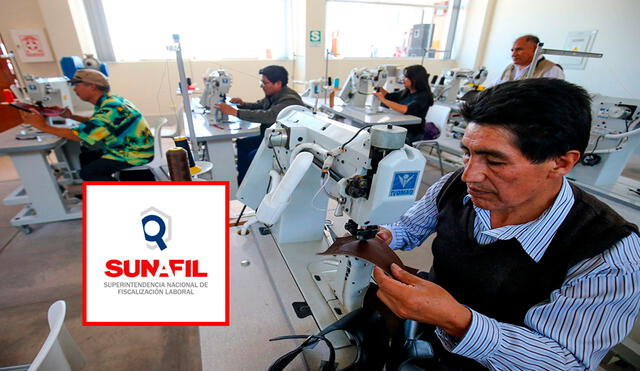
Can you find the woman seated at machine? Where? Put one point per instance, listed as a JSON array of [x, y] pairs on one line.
[[415, 99]]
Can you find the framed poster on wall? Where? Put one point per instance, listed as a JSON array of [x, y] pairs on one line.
[[579, 41], [32, 45]]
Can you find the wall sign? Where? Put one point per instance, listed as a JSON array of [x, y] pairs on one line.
[[315, 38], [32, 45], [581, 41]]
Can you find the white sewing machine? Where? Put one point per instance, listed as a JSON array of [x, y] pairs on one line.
[[615, 134], [303, 160], [50, 91], [316, 88], [394, 77], [360, 84], [216, 87], [457, 82]]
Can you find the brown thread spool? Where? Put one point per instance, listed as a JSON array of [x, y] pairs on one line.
[[178, 162]]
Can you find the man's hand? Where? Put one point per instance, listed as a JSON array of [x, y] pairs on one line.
[[237, 101], [35, 119], [226, 109], [66, 112], [411, 297], [385, 235]]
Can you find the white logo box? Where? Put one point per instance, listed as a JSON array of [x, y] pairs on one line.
[[128, 279]]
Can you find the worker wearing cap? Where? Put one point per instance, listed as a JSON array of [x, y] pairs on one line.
[[116, 124]]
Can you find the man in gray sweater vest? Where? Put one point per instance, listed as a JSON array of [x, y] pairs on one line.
[[278, 95], [522, 53]]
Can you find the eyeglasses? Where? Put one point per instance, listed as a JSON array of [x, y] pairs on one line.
[[74, 83]]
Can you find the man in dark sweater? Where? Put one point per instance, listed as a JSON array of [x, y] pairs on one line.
[[278, 95], [529, 271]]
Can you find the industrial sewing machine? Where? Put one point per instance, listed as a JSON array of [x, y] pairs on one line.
[[304, 160], [360, 84], [49, 91], [216, 88], [394, 77], [615, 134], [316, 88], [458, 84]]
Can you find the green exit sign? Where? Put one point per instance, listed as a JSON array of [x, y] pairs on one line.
[[315, 38]]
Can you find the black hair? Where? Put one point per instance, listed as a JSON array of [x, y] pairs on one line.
[[548, 117], [275, 73], [418, 76], [419, 80], [531, 38]]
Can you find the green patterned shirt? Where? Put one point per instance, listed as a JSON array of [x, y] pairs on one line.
[[119, 125]]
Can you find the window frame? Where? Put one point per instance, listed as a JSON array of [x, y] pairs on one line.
[[454, 7]]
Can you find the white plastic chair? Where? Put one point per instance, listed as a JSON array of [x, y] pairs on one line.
[[59, 352], [155, 166], [439, 115]]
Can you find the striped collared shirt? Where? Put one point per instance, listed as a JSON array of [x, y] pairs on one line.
[[592, 311]]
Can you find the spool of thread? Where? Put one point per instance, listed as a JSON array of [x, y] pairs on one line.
[[178, 162], [182, 142]]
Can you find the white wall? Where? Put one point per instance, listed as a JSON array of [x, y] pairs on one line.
[[473, 30], [25, 14], [616, 74]]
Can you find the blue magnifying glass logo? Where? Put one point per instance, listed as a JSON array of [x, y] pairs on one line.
[[157, 238]]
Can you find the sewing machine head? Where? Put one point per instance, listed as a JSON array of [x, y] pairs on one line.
[[371, 174], [47, 92], [458, 82], [216, 87], [361, 83]]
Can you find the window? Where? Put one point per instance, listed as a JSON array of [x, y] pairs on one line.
[[391, 28], [209, 30]]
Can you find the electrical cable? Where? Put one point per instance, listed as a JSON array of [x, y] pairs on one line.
[[238, 71], [592, 159], [164, 72], [354, 136], [323, 183], [241, 213], [595, 146], [329, 194], [166, 66]]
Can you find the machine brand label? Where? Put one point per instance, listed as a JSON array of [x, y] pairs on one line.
[[404, 183]]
